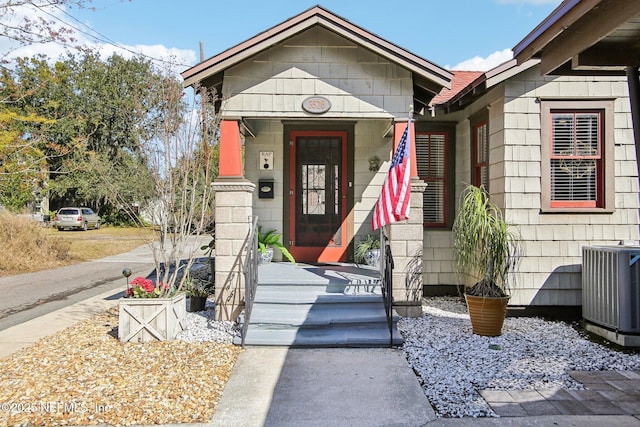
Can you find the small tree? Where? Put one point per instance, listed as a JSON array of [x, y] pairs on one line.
[[178, 156], [486, 249]]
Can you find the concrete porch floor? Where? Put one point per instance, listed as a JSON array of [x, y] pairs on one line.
[[326, 273]]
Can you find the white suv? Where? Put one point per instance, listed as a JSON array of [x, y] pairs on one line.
[[76, 218]]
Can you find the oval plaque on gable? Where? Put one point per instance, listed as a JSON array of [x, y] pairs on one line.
[[316, 105]]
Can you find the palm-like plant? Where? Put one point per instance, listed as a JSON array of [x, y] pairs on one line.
[[371, 242], [272, 239], [486, 249]]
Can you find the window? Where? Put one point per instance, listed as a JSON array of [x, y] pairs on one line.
[[431, 155], [576, 159], [481, 154], [577, 155]]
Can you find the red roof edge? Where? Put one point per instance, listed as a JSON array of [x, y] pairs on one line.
[[461, 80]]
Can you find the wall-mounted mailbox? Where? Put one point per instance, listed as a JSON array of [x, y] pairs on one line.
[[265, 189]]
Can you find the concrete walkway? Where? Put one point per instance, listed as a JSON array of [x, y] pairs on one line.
[[282, 387], [322, 387]]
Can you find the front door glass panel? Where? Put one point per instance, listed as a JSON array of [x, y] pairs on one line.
[[318, 197]]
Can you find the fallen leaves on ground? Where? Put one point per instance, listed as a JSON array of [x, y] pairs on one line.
[[85, 375]]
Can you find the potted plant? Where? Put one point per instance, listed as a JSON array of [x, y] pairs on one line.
[[198, 289], [368, 251], [269, 240], [486, 253]]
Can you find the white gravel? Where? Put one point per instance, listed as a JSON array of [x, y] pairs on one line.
[[453, 364], [202, 327]]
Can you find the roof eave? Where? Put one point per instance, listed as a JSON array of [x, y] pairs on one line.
[[462, 98], [568, 12], [484, 82], [317, 16]]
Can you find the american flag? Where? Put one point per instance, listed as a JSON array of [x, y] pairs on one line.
[[393, 203]]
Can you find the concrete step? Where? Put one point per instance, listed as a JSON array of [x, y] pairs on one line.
[[301, 315], [305, 274], [367, 335], [317, 314], [302, 305], [285, 295], [329, 288]]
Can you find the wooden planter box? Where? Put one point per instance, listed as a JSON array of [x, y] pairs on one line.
[[151, 319]]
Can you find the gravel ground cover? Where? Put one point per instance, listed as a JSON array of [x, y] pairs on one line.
[[453, 364], [85, 375]]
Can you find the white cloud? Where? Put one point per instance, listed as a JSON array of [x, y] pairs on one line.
[[478, 63], [163, 54], [14, 18]]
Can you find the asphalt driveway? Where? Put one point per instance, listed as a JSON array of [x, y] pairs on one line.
[[33, 294]]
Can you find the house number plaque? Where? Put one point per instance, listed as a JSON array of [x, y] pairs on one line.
[[316, 105]]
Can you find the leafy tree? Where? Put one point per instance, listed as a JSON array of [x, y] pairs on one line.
[[97, 113], [22, 165]]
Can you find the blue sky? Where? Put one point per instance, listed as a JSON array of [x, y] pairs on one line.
[[456, 34]]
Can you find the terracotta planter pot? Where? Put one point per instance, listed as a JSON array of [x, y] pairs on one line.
[[487, 314]]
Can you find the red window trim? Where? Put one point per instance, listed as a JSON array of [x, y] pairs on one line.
[[599, 202]]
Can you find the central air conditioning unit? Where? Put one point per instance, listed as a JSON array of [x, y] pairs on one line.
[[611, 292]]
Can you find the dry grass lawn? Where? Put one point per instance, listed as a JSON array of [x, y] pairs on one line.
[[29, 247], [93, 244]]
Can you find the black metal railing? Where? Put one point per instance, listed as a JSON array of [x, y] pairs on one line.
[[386, 273], [250, 270]]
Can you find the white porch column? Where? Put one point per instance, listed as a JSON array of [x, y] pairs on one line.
[[407, 239]]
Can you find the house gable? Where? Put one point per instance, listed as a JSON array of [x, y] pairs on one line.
[[427, 77], [317, 62]]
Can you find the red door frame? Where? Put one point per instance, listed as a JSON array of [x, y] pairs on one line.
[[319, 253]]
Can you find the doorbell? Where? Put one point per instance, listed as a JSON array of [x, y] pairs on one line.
[[265, 160]]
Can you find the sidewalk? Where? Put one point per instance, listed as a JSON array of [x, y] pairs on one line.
[[276, 386], [25, 334]]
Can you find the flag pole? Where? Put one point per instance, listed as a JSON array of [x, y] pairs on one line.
[[386, 229]]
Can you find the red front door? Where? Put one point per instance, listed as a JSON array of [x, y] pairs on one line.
[[318, 207]]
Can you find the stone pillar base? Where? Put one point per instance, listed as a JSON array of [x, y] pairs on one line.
[[407, 241], [234, 210], [408, 310]]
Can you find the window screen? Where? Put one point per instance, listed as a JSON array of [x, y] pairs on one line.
[[431, 150], [576, 158]]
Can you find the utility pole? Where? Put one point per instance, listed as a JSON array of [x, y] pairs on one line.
[[205, 139]]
